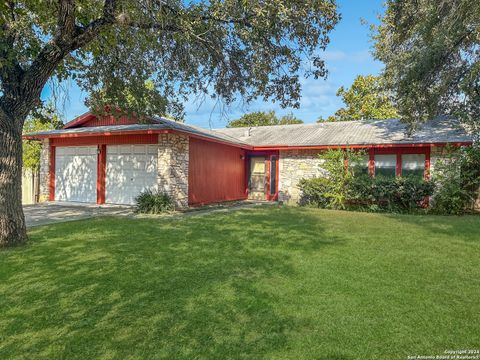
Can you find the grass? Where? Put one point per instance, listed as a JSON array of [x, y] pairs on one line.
[[275, 283]]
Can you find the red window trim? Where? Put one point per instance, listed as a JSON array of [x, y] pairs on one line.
[[399, 152]]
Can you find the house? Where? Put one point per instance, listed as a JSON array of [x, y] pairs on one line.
[[106, 160]]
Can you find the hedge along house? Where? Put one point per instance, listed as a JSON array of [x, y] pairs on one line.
[[106, 160]]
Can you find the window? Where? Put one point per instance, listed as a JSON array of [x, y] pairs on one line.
[[360, 167], [413, 165], [385, 165]]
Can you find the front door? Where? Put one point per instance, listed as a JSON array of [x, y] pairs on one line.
[[256, 179]]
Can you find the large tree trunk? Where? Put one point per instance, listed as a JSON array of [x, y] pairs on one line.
[[12, 220]]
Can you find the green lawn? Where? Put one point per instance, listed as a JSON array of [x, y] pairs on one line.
[[271, 283]]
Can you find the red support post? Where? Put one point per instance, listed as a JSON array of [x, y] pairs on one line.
[[51, 190], [398, 167], [427, 164], [371, 162], [101, 173]]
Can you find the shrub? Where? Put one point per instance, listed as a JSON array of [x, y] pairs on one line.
[[331, 191], [399, 194], [153, 202], [342, 189], [316, 192], [457, 177]]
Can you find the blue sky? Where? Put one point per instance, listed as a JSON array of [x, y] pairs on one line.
[[347, 56]]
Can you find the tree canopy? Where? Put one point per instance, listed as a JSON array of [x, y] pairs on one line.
[[261, 118], [365, 99], [147, 57], [222, 48], [432, 58]]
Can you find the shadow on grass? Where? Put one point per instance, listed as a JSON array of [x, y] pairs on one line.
[[116, 287], [465, 227]]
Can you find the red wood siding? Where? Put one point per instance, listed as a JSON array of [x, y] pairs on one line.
[[106, 139], [90, 120], [216, 173], [108, 120]]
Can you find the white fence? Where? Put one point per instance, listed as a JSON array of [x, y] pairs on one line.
[[30, 187]]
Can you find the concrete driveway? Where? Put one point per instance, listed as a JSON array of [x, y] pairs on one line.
[[49, 213]]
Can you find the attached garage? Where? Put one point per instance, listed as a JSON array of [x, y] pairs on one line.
[[76, 174], [130, 169]]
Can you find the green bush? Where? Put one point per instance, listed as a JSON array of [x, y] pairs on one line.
[[153, 202], [316, 192], [331, 191], [342, 188], [398, 194], [457, 177]]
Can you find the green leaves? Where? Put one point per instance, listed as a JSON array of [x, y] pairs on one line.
[[46, 119], [261, 118], [342, 189], [365, 99], [430, 51], [224, 49], [457, 175]]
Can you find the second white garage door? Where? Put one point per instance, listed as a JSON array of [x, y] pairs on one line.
[[131, 169]]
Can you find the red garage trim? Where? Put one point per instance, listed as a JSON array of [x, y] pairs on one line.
[[51, 190], [106, 140], [101, 173], [94, 134]]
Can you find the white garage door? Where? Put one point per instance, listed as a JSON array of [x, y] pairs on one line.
[[76, 174], [131, 169]]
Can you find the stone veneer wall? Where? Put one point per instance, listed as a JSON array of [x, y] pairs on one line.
[[173, 157], [45, 171], [295, 165]]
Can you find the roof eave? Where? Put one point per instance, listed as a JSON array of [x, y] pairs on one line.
[[40, 137], [359, 146]]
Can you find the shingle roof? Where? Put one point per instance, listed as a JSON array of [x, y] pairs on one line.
[[160, 124], [361, 132]]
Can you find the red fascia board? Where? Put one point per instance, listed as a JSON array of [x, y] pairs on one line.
[[359, 146]]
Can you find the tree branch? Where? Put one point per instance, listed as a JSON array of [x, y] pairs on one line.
[[66, 20]]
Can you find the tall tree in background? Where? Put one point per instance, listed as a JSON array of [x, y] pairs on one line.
[[431, 51], [365, 99], [226, 48], [261, 118], [46, 119]]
